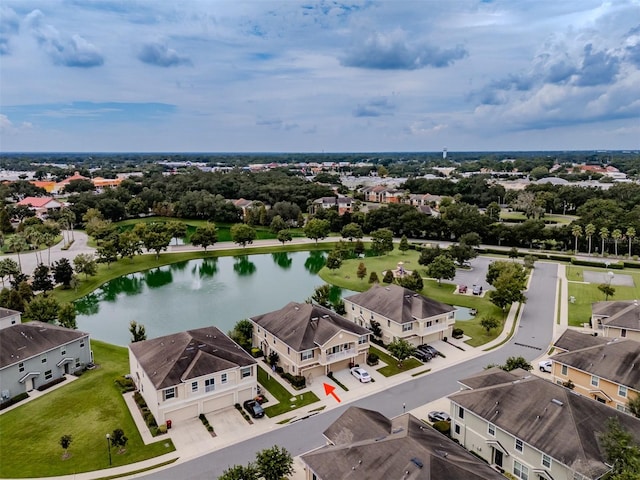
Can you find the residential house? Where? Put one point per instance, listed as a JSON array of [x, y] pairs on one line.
[[40, 205], [424, 199], [382, 194], [401, 313], [310, 340], [9, 317], [572, 340], [535, 429], [34, 354], [198, 371], [608, 373], [342, 204], [619, 319], [245, 205], [364, 444]]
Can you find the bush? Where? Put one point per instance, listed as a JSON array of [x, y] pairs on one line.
[[125, 384], [457, 333], [372, 359], [137, 397], [14, 400], [297, 381], [50, 384], [256, 352], [279, 370], [589, 263], [443, 427], [162, 429]]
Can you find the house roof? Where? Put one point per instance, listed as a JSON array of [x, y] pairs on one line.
[[621, 314], [7, 312], [617, 361], [177, 358], [25, 340], [572, 340], [36, 202], [333, 200], [400, 448], [399, 304], [550, 418], [303, 326], [493, 376]]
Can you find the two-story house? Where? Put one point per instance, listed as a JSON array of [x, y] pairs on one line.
[[364, 444], [535, 429], [401, 313], [198, 371], [616, 319], [572, 340], [608, 373], [342, 204], [33, 354], [310, 340]]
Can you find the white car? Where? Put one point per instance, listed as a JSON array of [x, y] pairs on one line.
[[361, 374], [545, 366]]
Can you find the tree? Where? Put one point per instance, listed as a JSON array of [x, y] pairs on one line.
[[17, 243], [107, 252], [85, 263], [589, 230], [8, 268], [489, 323], [472, 239], [633, 404], [138, 332], [604, 234], [205, 235], [462, 253], [493, 211], [607, 290], [358, 248], [427, 255], [499, 267], [621, 450], [401, 349], [284, 236], [362, 271], [129, 244], [67, 316], [529, 261], [351, 230], [334, 260], [43, 309], [388, 277], [442, 267], [616, 235], [274, 463], [243, 234], [155, 237], [322, 295], [513, 253], [176, 229], [317, 229], [373, 278], [63, 272], [42, 279], [404, 244], [576, 231], [238, 472], [631, 233], [516, 362], [375, 328], [118, 439], [382, 241], [50, 231], [242, 334], [65, 443], [277, 224]]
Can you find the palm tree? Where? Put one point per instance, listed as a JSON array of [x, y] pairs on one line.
[[576, 231], [68, 218], [34, 239], [604, 234], [16, 244], [616, 235], [589, 230], [631, 232]]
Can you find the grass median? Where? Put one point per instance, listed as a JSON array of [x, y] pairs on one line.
[[286, 400]]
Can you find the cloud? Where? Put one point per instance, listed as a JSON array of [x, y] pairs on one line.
[[159, 54], [276, 124], [380, 51], [9, 26], [374, 108], [7, 126], [72, 51], [598, 68]]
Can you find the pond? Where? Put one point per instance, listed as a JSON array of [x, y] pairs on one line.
[[463, 313], [199, 293]]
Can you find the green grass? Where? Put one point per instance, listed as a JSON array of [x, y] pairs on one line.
[[283, 396], [142, 470], [392, 367], [421, 372], [559, 219], [87, 409]]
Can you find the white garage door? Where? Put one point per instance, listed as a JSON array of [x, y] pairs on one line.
[[219, 403], [246, 394], [181, 414]]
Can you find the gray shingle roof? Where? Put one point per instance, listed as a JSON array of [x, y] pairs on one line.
[[572, 340], [493, 376], [399, 304], [174, 359], [25, 340], [6, 312], [621, 314], [617, 361], [303, 326], [391, 449], [551, 418]]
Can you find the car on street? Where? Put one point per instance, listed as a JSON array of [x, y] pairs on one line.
[[254, 408], [361, 374], [477, 290], [437, 416], [545, 366], [428, 349]]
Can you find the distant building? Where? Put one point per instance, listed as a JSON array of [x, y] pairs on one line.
[[342, 204], [40, 205]]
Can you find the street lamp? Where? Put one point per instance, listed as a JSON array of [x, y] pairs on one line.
[[109, 447]]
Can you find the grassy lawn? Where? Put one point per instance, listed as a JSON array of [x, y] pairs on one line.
[[587, 293], [392, 367], [283, 396], [346, 277], [87, 409], [559, 219]]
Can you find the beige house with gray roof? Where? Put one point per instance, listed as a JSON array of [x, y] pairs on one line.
[[616, 319], [401, 313], [310, 340], [198, 371]]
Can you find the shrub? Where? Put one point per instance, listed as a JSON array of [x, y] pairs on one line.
[[256, 352], [238, 406], [589, 263], [457, 333], [162, 429], [443, 427], [297, 381], [50, 384], [14, 400], [279, 370], [125, 384], [372, 359], [137, 397]]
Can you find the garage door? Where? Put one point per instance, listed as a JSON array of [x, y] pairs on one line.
[[246, 394], [181, 414], [219, 403]]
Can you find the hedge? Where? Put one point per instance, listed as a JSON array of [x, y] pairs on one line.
[[589, 263], [14, 400]]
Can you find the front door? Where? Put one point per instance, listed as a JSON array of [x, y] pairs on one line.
[[497, 457]]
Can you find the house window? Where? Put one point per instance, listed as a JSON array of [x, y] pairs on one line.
[[223, 378], [623, 332], [362, 340], [44, 360], [388, 323], [63, 351], [77, 362], [456, 429], [492, 430], [21, 367], [407, 326], [564, 370], [460, 412], [306, 355], [353, 307], [520, 470], [595, 381], [429, 323], [169, 393], [245, 372], [622, 391], [47, 375], [194, 387], [546, 461], [209, 385], [81, 344], [519, 445]]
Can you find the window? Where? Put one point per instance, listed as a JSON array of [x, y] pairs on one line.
[[209, 385], [456, 429], [353, 307], [48, 375], [623, 332], [306, 355], [407, 326], [21, 367], [388, 323], [169, 393], [245, 372], [363, 339], [519, 445], [564, 370], [429, 323], [546, 461], [595, 381], [44, 360], [194, 387], [81, 344], [622, 391], [77, 362], [288, 351], [63, 351], [223, 378], [460, 412], [492, 430], [520, 470]]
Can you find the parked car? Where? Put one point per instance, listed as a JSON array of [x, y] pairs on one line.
[[428, 349], [477, 290], [422, 355], [462, 289], [254, 408], [545, 366], [361, 374], [438, 417]]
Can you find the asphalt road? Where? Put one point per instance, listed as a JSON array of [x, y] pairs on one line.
[[532, 338]]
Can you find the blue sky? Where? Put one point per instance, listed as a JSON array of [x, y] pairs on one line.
[[293, 76]]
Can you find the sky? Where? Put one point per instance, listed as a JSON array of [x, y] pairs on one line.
[[319, 76]]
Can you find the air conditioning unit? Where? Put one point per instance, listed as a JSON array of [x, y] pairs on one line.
[[6, 394]]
